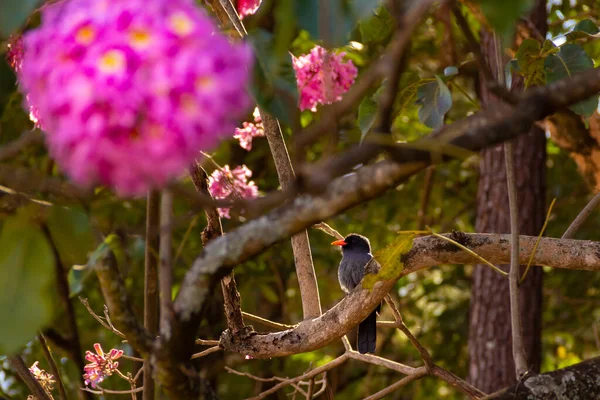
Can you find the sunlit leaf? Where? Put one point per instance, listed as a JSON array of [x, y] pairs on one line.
[[390, 259], [531, 62], [367, 114], [450, 71], [585, 29], [26, 283]]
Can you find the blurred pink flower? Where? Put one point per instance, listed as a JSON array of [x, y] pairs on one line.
[[45, 379], [250, 130], [129, 91], [225, 183], [247, 7], [101, 364], [323, 77]]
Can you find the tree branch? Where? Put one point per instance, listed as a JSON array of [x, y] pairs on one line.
[[165, 279], [581, 217], [427, 251], [53, 366]]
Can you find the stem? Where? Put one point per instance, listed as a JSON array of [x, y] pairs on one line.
[[34, 386], [151, 282], [165, 272], [518, 348], [53, 366], [305, 270]]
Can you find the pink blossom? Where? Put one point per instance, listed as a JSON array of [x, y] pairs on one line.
[[129, 91], [247, 7], [225, 183], [45, 379], [101, 364], [14, 55], [323, 77], [250, 130]]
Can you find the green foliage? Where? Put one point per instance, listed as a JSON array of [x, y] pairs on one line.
[[389, 259], [435, 100], [274, 86], [332, 21], [378, 27], [13, 14], [367, 114], [27, 281], [585, 29], [570, 60], [72, 233], [503, 15], [530, 60]]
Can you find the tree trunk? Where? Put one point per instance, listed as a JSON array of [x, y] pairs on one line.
[[491, 365]]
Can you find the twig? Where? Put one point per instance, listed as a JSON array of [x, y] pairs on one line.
[[271, 379], [328, 229], [204, 342], [53, 366], [419, 373], [413, 340], [34, 386], [518, 349], [108, 391], [580, 219], [266, 322], [165, 273], [456, 382], [382, 362], [206, 352], [529, 263], [151, 310], [125, 356], [331, 364], [98, 318]]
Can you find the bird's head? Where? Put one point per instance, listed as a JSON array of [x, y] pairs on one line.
[[354, 242]]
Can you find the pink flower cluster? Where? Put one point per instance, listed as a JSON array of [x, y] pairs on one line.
[[250, 130], [129, 91], [225, 183], [45, 379], [101, 364], [247, 7], [322, 77]]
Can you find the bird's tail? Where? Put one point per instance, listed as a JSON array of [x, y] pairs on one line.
[[367, 334]]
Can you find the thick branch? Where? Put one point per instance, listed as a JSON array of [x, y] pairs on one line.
[[579, 381], [427, 251]]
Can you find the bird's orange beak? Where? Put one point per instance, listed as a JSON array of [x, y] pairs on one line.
[[339, 243]]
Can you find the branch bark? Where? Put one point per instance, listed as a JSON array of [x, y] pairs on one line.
[[32, 384], [427, 251]]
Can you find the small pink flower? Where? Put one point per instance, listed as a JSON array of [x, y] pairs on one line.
[[247, 7], [225, 183], [101, 364], [249, 131], [45, 379], [322, 77]]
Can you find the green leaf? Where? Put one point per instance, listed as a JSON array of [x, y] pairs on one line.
[[584, 29], [377, 28], [435, 99], [504, 15], [390, 259], [274, 85], [409, 85], [531, 62], [26, 283], [72, 233], [332, 21], [13, 14], [570, 60], [367, 114]]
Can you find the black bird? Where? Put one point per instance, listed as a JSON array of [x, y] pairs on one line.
[[356, 253]]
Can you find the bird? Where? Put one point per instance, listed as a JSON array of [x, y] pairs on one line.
[[356, 253]]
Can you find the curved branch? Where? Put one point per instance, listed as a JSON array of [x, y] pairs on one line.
[[427, 251]]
